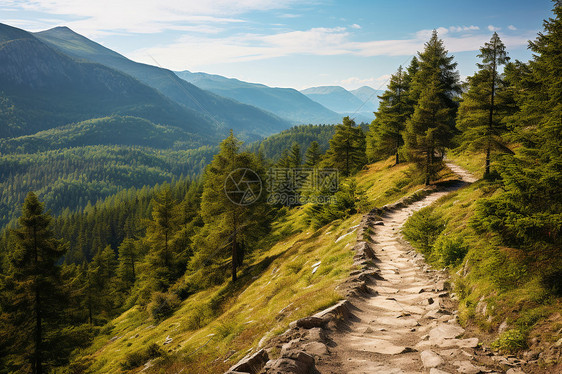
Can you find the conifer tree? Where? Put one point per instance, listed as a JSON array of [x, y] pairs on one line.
[[527, 211], [232, 205], [385, 132], [163, 259], [128, 258], [485, 103], [428, 132], [434, 63], [433, 88], [295, 155], [347, 148], [32, 297], [313, 155]]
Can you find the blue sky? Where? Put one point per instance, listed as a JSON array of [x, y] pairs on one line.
[[288, 43]]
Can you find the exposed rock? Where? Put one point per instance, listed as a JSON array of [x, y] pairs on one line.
[[252, 364], [316, 334], [503, 327], [316, 349], [437, 371], [430, 359], [466, 367], [515, 371], [308, 322], [296, 362]]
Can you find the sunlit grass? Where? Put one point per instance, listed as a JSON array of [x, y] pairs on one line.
[[287, 288]]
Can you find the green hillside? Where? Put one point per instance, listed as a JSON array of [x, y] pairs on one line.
[[42, 88]]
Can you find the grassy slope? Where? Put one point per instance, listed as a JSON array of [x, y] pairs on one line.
[[490, 284], [277, 287]]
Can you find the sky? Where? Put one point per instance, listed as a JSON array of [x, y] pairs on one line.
[[289, 43]]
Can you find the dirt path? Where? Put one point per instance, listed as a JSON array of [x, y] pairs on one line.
[[409, 324]]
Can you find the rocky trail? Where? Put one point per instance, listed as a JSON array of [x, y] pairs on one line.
[[398, 318], [409, 324]]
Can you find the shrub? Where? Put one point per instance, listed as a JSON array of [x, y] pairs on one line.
[[138, 358], [450, 249], [163, 305], [510, 341], [422, 229]]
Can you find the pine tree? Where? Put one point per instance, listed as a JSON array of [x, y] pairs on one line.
[[128, 259], [434, 63], [347, 148], [295, 156], [232, 205], [162, 257], [434, 88], [32, 294], [485, 103], [385, 132], [527, 211], [313, 155], [428, 132]]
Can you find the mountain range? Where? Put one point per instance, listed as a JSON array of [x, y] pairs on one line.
[[287, 103], [358, 104], [224, 113]]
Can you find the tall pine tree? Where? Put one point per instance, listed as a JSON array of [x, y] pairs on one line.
[[434, 88], [32, 297], [232, 206], [385, 132], [486, 103]]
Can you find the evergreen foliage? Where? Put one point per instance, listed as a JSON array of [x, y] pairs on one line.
[[486, 102], [347, 148], [385, 132], [32, 296]]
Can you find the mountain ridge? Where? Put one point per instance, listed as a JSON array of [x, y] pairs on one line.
[[225, 113], [284, 102]]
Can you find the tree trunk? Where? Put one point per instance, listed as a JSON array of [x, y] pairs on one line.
[[487, 170], [427, 166], [491, 118], [37, 364], [234, 258]]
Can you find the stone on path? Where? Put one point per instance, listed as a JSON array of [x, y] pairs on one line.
[[437, 371], [431, 359]]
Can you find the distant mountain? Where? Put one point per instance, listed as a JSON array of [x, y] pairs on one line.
[[368, 94], [342, 101], [287, 103], [227, 113], [42, 88]]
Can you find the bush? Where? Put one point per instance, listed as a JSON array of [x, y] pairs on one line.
[[138, 358], [163, 305], [510, 341], [450, 249], [422, 229]]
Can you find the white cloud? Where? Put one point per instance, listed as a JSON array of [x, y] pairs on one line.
[[494, 28], [355, 26], [146, 16], [463, 28], [378, 83], [189, 52], [512, 28]]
